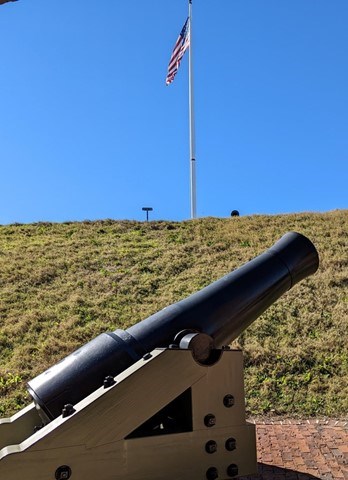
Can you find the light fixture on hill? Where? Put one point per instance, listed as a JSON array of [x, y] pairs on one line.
[[147, 210]]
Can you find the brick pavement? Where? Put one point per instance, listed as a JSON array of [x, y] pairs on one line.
[[302, 450]]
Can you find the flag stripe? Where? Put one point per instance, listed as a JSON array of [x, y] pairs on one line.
[[180, 47]]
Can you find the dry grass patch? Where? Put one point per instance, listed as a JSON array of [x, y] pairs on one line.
[[63, 284]]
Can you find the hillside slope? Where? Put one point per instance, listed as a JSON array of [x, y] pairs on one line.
[[63, 284]]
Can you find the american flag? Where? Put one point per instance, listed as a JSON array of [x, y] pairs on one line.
[[182, 44]]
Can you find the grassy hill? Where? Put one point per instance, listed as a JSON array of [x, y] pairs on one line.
[[63, 284]]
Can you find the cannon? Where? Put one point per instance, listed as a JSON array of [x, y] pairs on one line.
[[163, 399]]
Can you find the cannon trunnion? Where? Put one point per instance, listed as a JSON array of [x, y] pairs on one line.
[[161, 400]]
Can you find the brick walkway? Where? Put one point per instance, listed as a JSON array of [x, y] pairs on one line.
[[302, 450]]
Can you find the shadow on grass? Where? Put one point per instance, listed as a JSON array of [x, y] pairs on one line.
[[270, 472]]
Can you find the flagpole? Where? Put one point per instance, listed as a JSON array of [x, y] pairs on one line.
[[192, 124]]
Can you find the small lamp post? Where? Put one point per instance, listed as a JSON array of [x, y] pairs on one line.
[[147, 210]]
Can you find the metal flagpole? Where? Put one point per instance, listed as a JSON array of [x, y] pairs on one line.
[[192, 123]]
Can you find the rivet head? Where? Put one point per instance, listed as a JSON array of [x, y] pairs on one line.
[[211, 446], [232, 470], [209, 420], [231, 444], [109, 381], [228, 401], [68, 410], [212, 473], [63, 473]]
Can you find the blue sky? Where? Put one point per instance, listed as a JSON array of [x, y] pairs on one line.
[[88, 129]]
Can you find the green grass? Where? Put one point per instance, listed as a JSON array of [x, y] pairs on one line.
[[63, 284]]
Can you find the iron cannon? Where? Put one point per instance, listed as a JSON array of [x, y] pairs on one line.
[[162, 399]]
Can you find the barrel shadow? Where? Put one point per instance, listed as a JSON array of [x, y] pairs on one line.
[[271, 472]]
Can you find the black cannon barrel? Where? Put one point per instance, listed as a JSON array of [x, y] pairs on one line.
[[222, 310]]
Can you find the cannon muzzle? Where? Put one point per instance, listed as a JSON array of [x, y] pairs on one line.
[[220, 311]]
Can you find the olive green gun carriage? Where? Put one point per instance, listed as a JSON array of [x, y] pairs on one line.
[[161, 400]]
